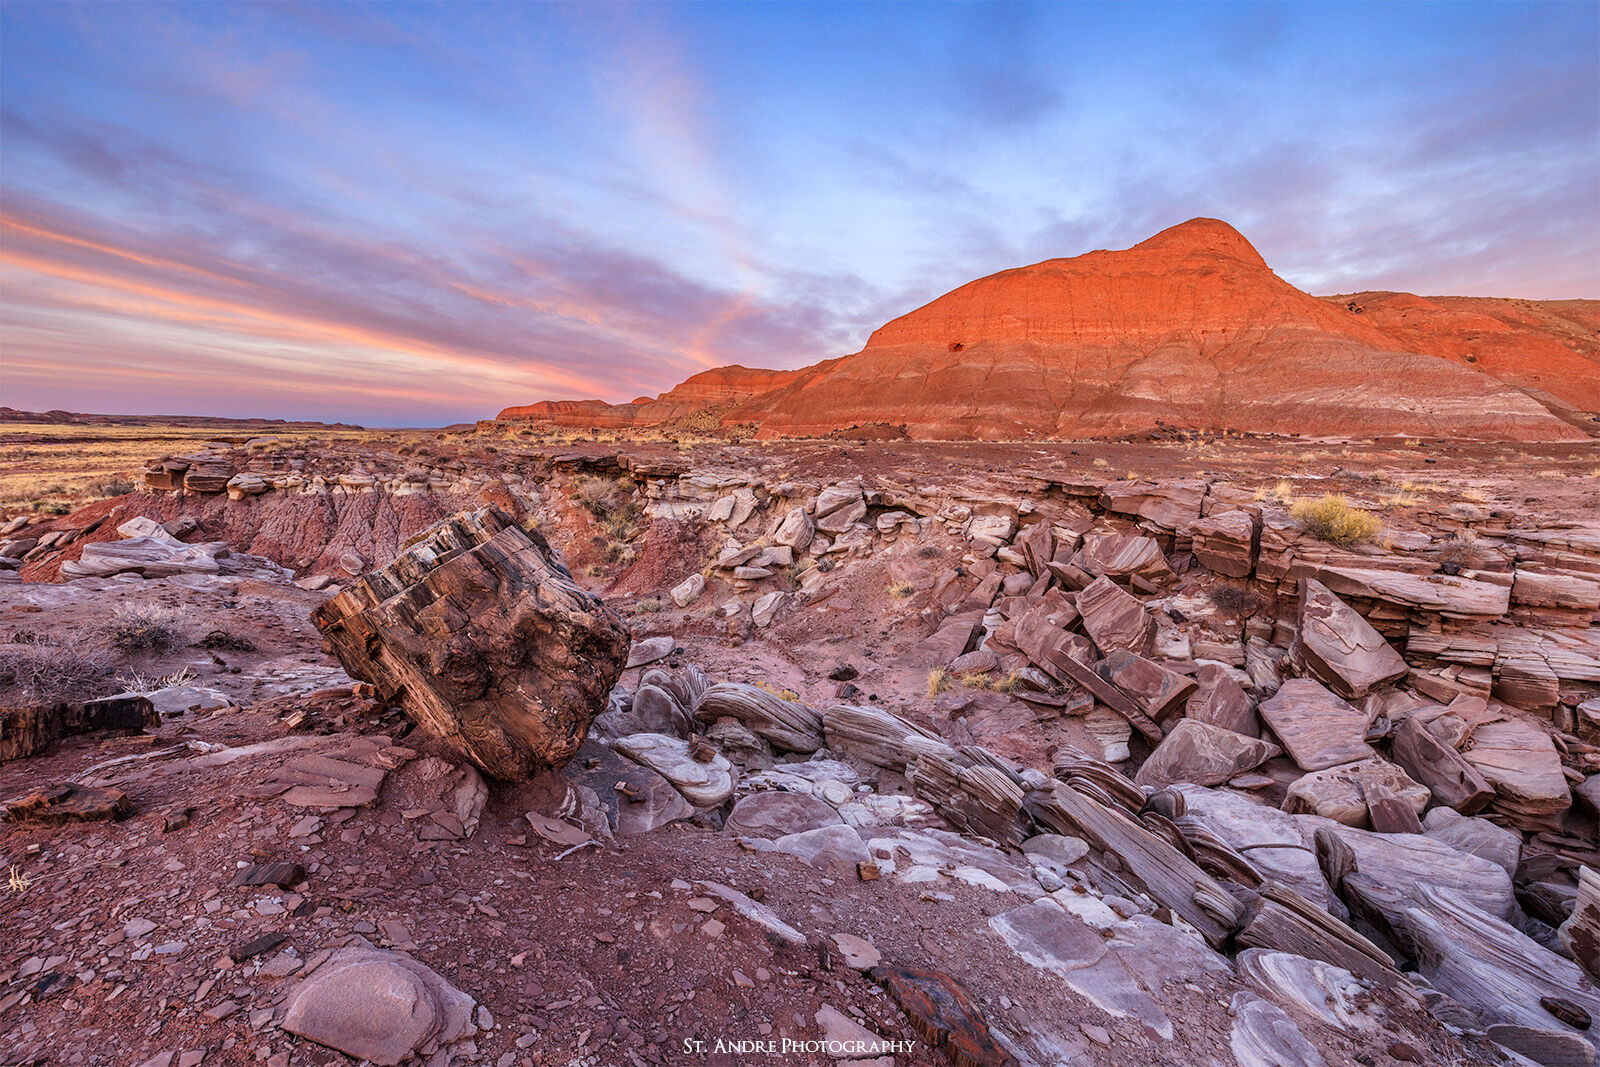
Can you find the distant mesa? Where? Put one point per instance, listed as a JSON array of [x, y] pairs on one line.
[[1189, 329]]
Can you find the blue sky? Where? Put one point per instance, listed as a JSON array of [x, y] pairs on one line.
[[417, 214]]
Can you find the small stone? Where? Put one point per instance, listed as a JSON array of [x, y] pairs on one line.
[[219, 1012], [1098, 1034], [264, 943], [136, 928], [712, 928], [855, 952]]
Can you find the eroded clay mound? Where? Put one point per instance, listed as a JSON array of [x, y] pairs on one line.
[[719, 387], [1549, 347], [1189, 329]]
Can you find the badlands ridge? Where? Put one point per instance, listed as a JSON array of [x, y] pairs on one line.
[[1190, 329]]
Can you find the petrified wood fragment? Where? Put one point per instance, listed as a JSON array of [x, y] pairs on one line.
[[480, 634], [945, 1014], [68, 802]]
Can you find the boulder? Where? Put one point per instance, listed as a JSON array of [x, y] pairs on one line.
[[478, 631], [1340, 648], [142, 526], [1264, 1036], [705, 784], [1580, 934], [378, 1006], [1156, 691], [1203, 754], [1113, 619], [779, 814], [1220, 701], [1223, 542], [1453, 781], [836, 847], [1317, 728], [1341, 793], [688, 591], [636, 799], [787, 725], [650, 650], [796, 530], [1521, 762], [1124, 557], [150, 557], [653, 711], [1476, 837]]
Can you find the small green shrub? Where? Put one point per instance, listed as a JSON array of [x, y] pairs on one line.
[[1335, 520]]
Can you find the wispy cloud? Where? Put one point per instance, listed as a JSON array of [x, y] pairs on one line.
[[421, 214]]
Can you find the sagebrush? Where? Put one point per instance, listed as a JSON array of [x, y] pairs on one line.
[[1337, 521]]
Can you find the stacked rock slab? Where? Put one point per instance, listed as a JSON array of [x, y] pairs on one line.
[[481, 635], [1339, 647]]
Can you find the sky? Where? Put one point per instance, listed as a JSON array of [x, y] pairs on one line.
[[402, 214]]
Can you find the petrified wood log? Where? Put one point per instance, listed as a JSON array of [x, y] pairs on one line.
[[480, 634], [29, 730]]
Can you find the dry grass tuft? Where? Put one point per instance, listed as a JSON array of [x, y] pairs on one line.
[[902, 590], [1283, 492], [145, 628], [48, 673], [998, 683], [938, 681], [1234, 599], [1335, 520]]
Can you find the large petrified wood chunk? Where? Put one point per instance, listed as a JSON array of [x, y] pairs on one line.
[[479, 632], [29, 729]]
